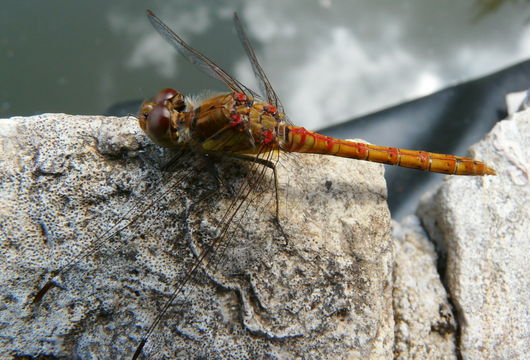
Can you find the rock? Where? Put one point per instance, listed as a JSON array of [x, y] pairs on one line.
[[482, 227], [425, 327], [322, 290]]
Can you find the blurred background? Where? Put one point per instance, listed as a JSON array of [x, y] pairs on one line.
[[414, 73]]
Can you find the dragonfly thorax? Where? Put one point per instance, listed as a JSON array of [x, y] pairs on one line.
[[229, 123]]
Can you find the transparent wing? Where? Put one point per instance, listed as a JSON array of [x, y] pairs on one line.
[[265, 85], [212, 254], [195, 57]]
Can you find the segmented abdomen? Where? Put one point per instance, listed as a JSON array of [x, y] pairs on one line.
[[298, 139]]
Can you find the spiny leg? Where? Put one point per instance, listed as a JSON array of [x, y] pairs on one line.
[[212, 170], [271, 166]]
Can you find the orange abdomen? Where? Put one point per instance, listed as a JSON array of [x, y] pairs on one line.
[[298, 139]]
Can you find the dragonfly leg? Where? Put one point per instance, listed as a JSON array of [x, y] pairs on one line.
[[268, 164], [271, 166], [210, 166]]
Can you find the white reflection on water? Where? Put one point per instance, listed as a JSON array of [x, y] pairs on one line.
[[334, 61]]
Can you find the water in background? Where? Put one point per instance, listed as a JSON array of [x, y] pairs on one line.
[[330, 61]]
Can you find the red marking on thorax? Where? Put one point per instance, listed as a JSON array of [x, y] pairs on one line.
[[236, 119], [240, 97], [268, 137], [271, 109], [236, 122]]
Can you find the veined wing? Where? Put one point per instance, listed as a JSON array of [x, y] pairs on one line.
[[129, 221], [195, 57], [264, 82], [247, 194], [211, 255], [138, 221]]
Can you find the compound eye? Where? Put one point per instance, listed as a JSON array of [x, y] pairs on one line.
[[158, 121], [164, 95], [146, 110]]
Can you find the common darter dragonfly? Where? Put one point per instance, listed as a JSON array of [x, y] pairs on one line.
[[242, 126]]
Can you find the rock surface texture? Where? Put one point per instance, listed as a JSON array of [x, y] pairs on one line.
[[482, 228], [328, 284], [322, 290], [425, 327]]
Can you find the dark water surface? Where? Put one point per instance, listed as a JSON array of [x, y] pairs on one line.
[[330, 61]]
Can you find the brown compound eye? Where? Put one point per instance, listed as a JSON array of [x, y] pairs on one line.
[[145, 110], [164, 95], [158, 121]]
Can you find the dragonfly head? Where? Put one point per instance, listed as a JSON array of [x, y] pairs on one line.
[[160, 118]]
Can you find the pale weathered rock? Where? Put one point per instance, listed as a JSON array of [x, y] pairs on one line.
[[482, 226], [326, 293], [424, 324]]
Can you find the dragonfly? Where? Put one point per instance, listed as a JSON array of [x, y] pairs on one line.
[[246, 125]]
